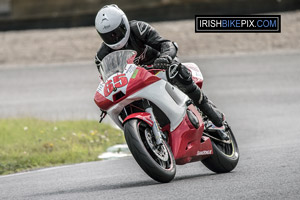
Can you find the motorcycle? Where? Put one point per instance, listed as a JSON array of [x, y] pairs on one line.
[[162, 126]]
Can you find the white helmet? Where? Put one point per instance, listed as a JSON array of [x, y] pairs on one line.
[[112, 26]]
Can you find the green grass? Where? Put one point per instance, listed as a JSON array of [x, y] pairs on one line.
[[31, 143]]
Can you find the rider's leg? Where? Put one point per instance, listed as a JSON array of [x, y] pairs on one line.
[[183, 80]]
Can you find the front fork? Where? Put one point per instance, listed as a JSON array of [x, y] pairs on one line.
[[156, 131]]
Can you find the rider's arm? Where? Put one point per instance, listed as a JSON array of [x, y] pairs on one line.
[[102, 52], [150, 36]]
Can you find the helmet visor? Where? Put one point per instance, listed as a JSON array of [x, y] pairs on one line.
[[116, 35]]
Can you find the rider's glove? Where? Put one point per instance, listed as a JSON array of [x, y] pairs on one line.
[[97, 62], [163, 62]]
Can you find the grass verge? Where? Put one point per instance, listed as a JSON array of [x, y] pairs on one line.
[[31, 143]]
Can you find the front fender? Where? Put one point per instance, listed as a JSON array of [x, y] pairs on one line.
[[144, 116]]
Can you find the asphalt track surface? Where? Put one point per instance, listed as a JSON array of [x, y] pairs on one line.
[[260, 95]]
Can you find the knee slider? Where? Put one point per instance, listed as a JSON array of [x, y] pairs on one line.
[[184, 75]]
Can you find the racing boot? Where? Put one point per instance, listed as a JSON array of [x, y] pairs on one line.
[[215, 127], [201, 101]]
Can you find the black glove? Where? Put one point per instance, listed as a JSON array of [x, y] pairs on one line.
[[98, 63], [162, 62]]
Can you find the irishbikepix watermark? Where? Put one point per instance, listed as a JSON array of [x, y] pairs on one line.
[[244, 23]]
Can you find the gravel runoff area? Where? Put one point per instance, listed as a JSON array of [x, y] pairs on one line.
[[80, 44]]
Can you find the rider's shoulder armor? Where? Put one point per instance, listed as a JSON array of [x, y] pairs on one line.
[[140, 29]]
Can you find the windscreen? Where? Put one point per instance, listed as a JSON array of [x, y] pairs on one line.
[[115, 62]]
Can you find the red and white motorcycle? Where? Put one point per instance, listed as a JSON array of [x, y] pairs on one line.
[[161, 124]]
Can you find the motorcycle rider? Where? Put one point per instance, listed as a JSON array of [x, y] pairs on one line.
[[118, 33]]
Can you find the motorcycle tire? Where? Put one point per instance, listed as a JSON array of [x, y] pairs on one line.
[[137, 135], [223, 160]]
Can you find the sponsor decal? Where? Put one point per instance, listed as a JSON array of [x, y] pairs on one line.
[[135, 73], [130, 69], [100, 88], [141, 57], [202, 153], [243, 23]]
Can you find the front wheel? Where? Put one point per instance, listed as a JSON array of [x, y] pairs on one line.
[[225, 155], [157, 161]]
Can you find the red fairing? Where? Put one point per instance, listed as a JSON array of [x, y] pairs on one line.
[[144, 116], [142, 79], [155, 71], [185, 141], [102, 102]]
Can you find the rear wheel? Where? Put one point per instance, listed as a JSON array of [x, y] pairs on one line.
[[157, 161], [225, 154]]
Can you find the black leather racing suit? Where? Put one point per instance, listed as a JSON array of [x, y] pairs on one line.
[[149, 46], [145, 40]]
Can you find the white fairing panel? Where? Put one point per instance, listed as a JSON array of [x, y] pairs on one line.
[[156, 93], [168, 98]]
